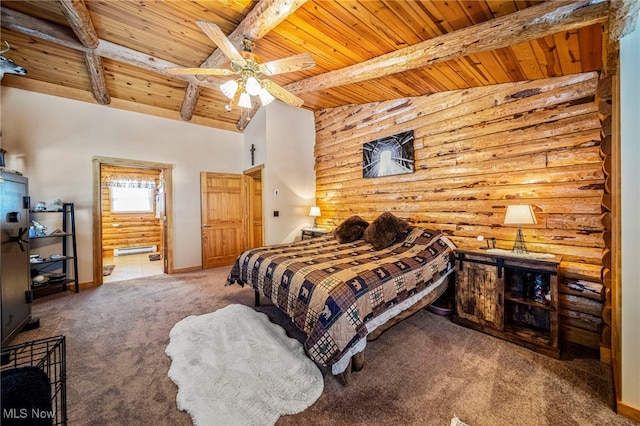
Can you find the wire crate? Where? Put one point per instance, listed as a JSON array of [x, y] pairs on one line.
[[49, 356]]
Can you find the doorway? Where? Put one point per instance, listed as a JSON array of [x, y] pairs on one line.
[[255, 220], [132, 219], [231, 215]]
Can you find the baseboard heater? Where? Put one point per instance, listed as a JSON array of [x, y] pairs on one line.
[[134, 250]]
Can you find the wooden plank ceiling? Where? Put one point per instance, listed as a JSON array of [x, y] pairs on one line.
[[116, 52]]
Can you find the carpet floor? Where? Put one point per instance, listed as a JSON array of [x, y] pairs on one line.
[[424, 371]]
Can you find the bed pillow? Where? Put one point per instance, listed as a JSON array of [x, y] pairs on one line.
[[350, 230], [384, 230]]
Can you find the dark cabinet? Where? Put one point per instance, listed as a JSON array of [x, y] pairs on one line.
[[14, 254], [514, 298], [53, 253]]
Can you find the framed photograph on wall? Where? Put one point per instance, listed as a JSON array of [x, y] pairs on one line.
[[392, 155]]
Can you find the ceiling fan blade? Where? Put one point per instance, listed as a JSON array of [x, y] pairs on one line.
[[236, 99], [282, 94], [199, 71], [299, 62], [217, 36]]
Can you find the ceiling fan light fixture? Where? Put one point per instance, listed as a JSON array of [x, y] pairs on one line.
[[265, 97], [252, 86], [229, 88], [245, 100]]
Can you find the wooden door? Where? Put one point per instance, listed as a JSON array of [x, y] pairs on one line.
[[479, 294], [223, 218], [162, 218], [255, 212]]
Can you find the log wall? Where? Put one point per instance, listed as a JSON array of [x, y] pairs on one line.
[[604, 104], [127, 229], [476, 152]]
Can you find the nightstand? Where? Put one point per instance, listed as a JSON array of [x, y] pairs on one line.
[[509, 296], [308, 233]]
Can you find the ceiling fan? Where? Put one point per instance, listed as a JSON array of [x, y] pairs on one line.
[[249, 69]]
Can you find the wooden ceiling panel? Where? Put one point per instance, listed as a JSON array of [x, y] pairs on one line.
[[139, 40], [165, 29], [47, 10], [47, 62], [133, 84], [211, 104]]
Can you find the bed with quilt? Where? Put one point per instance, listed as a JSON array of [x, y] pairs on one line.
[[351, 284]]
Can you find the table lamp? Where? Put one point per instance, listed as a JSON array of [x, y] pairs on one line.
[[521, 214], [315, 213]]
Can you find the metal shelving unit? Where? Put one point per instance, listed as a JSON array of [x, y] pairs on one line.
[[61, 270]]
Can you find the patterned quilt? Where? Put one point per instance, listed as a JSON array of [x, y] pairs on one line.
[[332, 290]]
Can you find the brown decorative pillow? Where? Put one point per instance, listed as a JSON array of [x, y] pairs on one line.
[[383, 231], [350, 230]]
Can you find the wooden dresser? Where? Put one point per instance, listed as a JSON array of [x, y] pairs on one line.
[[511, 297]]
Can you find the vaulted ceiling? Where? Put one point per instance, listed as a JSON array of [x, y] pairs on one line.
[[117, 52]]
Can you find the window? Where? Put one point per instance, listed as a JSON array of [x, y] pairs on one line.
[[130, 200]]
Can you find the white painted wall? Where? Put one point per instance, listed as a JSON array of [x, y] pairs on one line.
[[630, 177], [52, 141], [255, 133], [284, 138]]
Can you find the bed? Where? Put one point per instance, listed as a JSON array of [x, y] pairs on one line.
[[347, 287]]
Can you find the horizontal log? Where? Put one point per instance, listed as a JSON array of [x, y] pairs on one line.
[[605, 336], [580, 304], [606, 237], [589, 289], [580, 269], [512, 193], [605, 220], [605, 202], [606, 258], [580, 336], [604, 90], [460, 109], [412, 208], [606, 277], [605, 146], [606, 315], [422, 180], [577, 319]]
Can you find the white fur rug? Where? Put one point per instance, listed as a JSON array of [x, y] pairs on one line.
[[235, 367]]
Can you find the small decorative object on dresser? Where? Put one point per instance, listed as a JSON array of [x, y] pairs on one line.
[[511, 297], [520, 215]]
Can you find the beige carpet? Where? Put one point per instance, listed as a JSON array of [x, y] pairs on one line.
[[424, 371]]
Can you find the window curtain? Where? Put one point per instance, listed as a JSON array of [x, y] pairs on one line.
[[128, 182]]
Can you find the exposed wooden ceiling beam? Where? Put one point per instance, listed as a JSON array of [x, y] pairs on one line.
[[525, 25], [63, 36], [623, 18], [78, 17], [264, 17]]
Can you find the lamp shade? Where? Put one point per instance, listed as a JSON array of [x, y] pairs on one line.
[[229, 88], [245, 100], [315, 211], [252, 86], [521, 214], [265, 97]]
